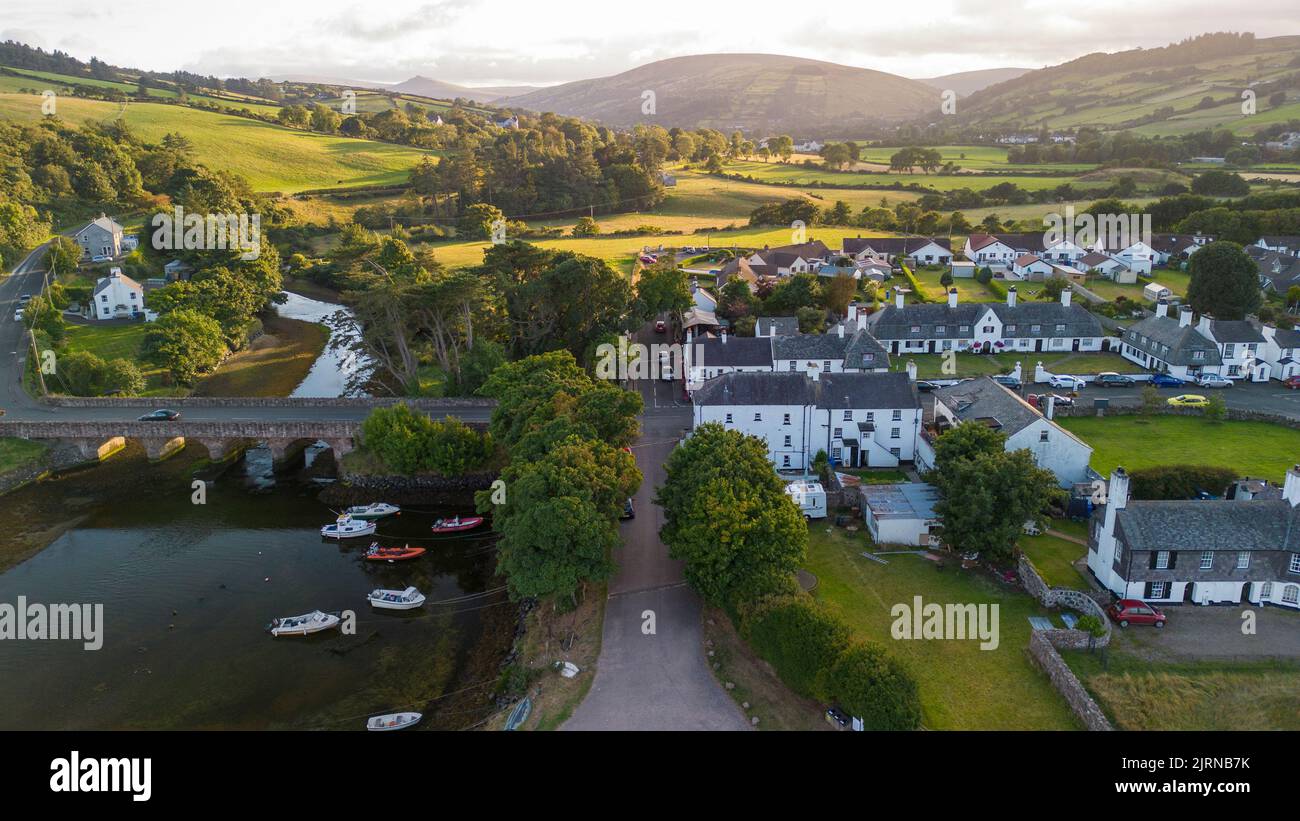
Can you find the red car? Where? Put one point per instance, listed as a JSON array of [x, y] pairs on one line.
[[1134, 611], [1292, 382], [660, 326]]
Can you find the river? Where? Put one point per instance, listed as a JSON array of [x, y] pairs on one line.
[[187, 591], [338, 369]]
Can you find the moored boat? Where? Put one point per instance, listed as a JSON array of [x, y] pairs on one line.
[[407, 599], [304, 625], [457, 523], [375, 553], [392, 721], [374, 510], [346, 527]]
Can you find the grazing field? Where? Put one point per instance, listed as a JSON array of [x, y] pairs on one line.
[[270, 157], [1054, 559], [975, 158], [1255, 449], [961, 686], [785, 174]]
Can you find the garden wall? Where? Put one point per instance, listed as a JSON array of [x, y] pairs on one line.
[[1043, 652]]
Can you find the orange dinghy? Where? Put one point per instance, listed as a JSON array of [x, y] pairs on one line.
[[375, 553]]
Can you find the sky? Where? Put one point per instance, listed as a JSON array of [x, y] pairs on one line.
[[526, 42]]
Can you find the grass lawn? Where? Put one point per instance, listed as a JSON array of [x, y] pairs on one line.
[[273, 365], [876, 476], [17, 453], [118, 342], [961, 686], [1171, 278], [929, 366], [793, 174], [1250, 448], [1054, 557], [1139, 695]]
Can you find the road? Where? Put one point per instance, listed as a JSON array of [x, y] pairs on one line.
[[658, 681], [1263, 397], [26, 278]]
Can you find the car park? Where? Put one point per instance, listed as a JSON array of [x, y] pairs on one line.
[[1110, 379], [1213, 380], [1134, 611], [1188, 400], [1069, 383], [1164, 380], [160, 415]]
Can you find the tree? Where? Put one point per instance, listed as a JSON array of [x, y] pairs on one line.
[[586, 227], [663, 288], [871, 685], [1220, 184], [728, 516], [1224, 281], [410, 442], [986, 493], [838, 293], [800, 637], [185, 343], [478, 220], [811, 319], [64, 255], [1151, 400]]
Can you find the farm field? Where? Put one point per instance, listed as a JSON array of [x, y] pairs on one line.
[[960, 685], [975, 158], [270, 157], [31, 78], [787, 174], [1250, 448]]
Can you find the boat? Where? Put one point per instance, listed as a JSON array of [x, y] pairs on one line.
[[374, 510], [392, 721], [375, 553], [457, 523], [519, 714], [346, 527], [304, 625], [407, 599]]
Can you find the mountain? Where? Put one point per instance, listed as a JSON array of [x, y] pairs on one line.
[[966, 83], [759, 93], [1188, 86], [439, 90]]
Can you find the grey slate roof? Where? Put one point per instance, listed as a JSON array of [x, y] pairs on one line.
[[866, 390], [985, 399], [783, 325], [739, 388], [891, 323], [737, 351], [1180, 341], [1235, 330], [893, 246], [1287, 338], [1279, 271], [854, 348], [1214, 524], [863, 390], [865, 352]]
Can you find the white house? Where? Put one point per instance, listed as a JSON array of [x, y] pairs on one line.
[[101, 237], [986, 249], [1240, 344], [117, 296], [1281, 351], [984, 401], [848, 347], [1137, 256], [1030, 267], [1109, 267], [1177, 247], [1289, 245], [917, 250], [711, 357], [1163, 344], [1229, 551], [1004, 248], [900, 513], [859, 419]]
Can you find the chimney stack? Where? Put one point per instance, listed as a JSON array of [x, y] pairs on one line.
[[1116, 498], [1184, 316], [1291, 488], [1204, 324], [1066, 293], [911, 370], [839, 330], [723, 333], [1011, 296], [1049, 409], [952, 297], [1162, 307], [898, 298]]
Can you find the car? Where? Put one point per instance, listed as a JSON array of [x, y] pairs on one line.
[[1110, 379], [25, 298], [1292, 382], [1135, 611], [160, 415], [838, 716], [925, 387], [1008, 382], [660, 326], [1065, 401], [1069, 383], [629, 510], [1213, 380], [665, 366], [1188, 400], [18, 315], [101, 258], [1164, 380]]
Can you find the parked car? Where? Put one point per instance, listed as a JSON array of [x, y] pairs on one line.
[[1188, 400], [1066, 401], [924, 386], [1164, 380], [160, 415], [101, 258], [1008, 382], [665, 366], [1110, 379], [18, 315], [660, 326], [629, 510], [1069, 383], [1134, 611], [838, 716], [1213, 380], [25, 298], [1292, 382]]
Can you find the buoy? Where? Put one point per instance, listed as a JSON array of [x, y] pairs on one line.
[[267, 579]]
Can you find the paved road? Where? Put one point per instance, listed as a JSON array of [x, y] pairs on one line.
[[26, 278], [1265, 397], [660, 681]]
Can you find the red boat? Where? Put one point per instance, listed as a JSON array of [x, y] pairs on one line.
[[457, 523], [375, 553]]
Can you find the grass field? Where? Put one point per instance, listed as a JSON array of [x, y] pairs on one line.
[[117, 342], [1173, 279], [1054, 559], [961, 686], [1139, 695], [789, 174], [975, 158], [1250, 448], [270, 157], [17, 453]]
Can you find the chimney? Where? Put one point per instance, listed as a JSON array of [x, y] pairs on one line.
[[1116, 498], [1011, 296], [1049, 408], [952, 297], [898, 299], [852, 313], [1162, 307], [1204, 325], [911, 370], [1184, 316], [1066, 293], [723, 333], [1291, 488], [862, 321], [839, 330]]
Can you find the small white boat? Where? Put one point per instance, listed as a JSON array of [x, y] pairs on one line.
[[392, 721], [305, 625], [346, 527], [407, 599], [374, 510]]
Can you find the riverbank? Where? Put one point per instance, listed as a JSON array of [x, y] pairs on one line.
[[274, 364]]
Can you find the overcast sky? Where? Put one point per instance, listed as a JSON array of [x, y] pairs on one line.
[[542, 42]]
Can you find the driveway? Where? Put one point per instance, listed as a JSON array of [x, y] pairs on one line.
[[1196, 633], [658, 681]]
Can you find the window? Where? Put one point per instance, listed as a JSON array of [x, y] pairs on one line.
[[785, 461], [868, 357], [963, 329], [1295, 563], [1119, 553], [848, 416], [894, 433], [871, 416], [835, 454], [1060, 329], [1159, 589], [916, 329], [1291, 593], [728, 419], [758, 417], [1228, 351], [1266, 590], [940, 329], [1243, 559], [1042, 436], [1011, 330], [1207, 559], [786, 420], [792, 364], [1035, 329], [1162, 560], [104, 298], [988, 329], [1198, 356], [826, 366], [896, 452], [898, 416], [838, 433], [787, 441]]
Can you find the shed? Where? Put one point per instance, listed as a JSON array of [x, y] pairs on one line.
[[900, 513], [1154, 291]]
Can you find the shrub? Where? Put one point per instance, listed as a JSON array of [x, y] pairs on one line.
[[872, 686], [800, 638], [410, 442], [1179, 481]]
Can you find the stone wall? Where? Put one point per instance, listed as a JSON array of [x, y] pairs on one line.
[[266, 402], [1063, 597], [1234, 414], [1042, 651]]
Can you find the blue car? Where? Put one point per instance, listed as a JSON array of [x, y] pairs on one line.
[[1164, 380]]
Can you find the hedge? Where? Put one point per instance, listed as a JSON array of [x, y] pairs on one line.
[[914, 283], [871, 685], [1179, 481]]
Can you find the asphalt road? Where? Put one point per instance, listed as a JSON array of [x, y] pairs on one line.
[[659, 680], [26, 278], [1265, 397]]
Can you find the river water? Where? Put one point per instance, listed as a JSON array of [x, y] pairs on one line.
[[187, 591], [338, 369]]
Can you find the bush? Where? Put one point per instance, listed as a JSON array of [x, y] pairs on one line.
[[800, 638], [1179, 481], [408, 442], [876, 688]]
